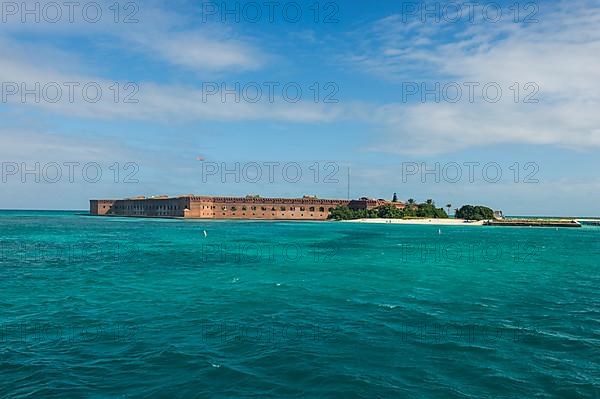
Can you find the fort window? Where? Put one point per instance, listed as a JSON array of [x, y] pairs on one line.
[[321, 209], [312, 209], [283, 208]]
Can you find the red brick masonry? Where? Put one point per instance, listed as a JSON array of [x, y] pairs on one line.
[[201, 207]]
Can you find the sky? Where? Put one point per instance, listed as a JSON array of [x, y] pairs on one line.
[[492, 103]]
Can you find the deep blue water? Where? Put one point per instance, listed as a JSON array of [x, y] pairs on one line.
[[107, 307]]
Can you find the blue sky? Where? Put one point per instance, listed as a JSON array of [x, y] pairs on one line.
[[365, 59]]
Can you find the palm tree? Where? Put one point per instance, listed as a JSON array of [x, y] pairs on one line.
[[395, 199], [430, 202], [411, 201], [448, 206]]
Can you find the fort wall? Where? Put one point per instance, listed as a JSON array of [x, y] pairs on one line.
[[205, 207]]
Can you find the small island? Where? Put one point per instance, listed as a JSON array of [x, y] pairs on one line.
[[428, 213], [411, 209], [412, 212], [310, 208]]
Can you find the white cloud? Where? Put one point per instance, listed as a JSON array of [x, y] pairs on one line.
[[429, 129], [559, 54], [155, 102], [160, 33], [196, 52], [34, 144]]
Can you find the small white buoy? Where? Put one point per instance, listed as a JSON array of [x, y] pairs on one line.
[[205, 233], [440, 231]]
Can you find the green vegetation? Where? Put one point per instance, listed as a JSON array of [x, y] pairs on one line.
[[471, 212], [427, 210]]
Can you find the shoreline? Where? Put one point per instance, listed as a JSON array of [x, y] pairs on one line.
[[531, 222], [462, 222], [432, 222]]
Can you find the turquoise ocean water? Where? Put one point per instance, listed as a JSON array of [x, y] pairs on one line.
[[108, 307]]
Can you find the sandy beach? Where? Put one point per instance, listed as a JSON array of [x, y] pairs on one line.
[[433, 222]]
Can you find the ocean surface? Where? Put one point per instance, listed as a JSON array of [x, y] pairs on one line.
[[132, 308]]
